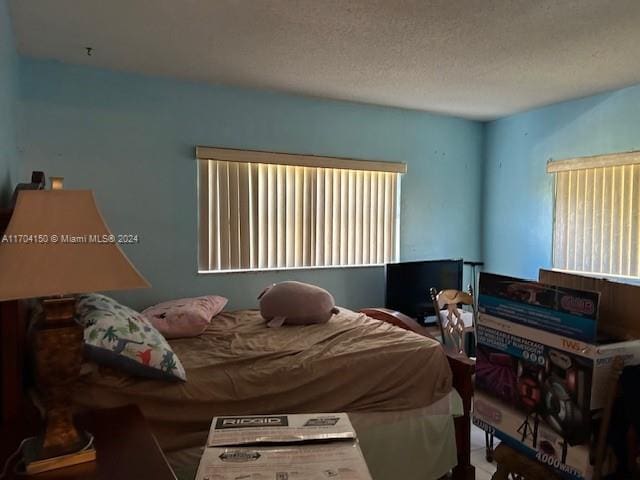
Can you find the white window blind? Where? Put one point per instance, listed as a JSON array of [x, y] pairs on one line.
[[257, 215], [596, 227]]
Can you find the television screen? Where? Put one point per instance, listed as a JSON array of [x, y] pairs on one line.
[[408, 285]]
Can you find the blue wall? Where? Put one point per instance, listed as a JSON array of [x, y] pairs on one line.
[[131, 139], [8, 92], [517, 191]]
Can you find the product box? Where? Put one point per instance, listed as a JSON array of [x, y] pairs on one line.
[[543, 368], [283, 447]]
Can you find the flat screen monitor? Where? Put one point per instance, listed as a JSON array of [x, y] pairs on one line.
[[408, 285]]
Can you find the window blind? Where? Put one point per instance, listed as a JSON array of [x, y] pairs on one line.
[[267, 215], [596, 227]]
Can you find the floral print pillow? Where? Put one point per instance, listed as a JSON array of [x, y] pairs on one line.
[[119, 337]]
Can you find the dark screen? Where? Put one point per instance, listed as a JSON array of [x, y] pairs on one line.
[[408, 284]]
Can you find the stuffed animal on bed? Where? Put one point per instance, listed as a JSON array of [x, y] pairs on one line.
[[296, 303]]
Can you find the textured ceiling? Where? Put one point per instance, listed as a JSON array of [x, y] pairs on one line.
[[472, 58]]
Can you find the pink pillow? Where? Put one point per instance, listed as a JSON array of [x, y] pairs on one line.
[[185, 317]]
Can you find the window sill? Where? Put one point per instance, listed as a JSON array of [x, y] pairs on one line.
[[282, 269], [614, 278]]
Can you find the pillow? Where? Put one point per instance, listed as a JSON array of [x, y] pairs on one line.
[[187, 317], [119, 337], [296, 303]]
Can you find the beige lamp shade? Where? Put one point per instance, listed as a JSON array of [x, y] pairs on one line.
[[57, 243]]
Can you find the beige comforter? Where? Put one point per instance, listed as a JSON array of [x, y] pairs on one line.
[[240, 366]]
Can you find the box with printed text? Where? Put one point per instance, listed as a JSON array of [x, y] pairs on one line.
[[283, 447], [542, 369]]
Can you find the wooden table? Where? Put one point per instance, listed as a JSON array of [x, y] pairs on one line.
[[125, 449]]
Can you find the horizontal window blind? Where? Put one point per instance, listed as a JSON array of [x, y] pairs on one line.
[[596, 227], [263, 216]]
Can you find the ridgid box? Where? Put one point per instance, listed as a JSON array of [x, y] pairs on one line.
[[283, 447], [543, 367]]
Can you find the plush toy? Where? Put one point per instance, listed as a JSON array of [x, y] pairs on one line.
[[296, 303]]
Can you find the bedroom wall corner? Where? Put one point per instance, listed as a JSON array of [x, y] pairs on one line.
[[9, 163], [518, 193], [482, 213]]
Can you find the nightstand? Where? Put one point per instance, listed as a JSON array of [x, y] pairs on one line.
[[125, 448]]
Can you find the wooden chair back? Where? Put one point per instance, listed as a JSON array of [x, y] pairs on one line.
[[452, 328]]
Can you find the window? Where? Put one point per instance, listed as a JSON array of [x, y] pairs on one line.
[[263, 210], [596, 227]]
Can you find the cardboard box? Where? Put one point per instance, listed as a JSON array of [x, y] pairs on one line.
[[543, 366], [619, 302], [283, 447]]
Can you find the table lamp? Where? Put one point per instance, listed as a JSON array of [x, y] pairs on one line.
[[57, 245]]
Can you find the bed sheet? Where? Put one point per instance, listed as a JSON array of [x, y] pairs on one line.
[[239, 366]]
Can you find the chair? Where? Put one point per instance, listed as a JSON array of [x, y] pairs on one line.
[[453, 330]]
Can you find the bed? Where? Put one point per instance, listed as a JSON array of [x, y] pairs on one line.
[[409, 400], [395, 384], [239, 366]]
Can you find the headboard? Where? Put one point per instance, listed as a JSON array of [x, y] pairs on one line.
[[13, 331]]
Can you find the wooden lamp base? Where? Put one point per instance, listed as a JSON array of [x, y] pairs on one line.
[[36, 462], [58, 344]]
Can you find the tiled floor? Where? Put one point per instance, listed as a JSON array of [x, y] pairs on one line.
[[484, 469]]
